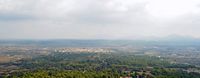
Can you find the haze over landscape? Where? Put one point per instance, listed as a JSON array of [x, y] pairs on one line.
[[98, 19], [99, 39]]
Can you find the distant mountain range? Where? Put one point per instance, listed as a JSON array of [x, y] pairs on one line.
[[169, 40]]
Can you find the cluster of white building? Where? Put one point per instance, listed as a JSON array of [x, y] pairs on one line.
[[84, 50]]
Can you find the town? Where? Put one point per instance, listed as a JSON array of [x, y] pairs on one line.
[[127, 61]]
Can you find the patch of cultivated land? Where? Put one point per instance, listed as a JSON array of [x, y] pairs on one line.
[[5, 59]]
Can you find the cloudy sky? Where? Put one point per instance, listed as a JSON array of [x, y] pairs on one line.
[[98, 19]]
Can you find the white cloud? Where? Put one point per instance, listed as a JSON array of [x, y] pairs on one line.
[[97, 18]]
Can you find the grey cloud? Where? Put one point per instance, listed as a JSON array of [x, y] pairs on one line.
[[87, 19], [108, 18], [188, 25], [14, 17]]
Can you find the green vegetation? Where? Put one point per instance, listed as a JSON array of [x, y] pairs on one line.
[[98, 65], [64, 74]]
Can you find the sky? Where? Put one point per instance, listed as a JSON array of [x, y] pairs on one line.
[[98, 19]]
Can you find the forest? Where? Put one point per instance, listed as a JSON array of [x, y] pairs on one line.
[[98, 65]]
